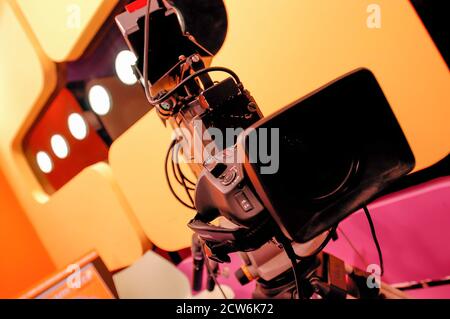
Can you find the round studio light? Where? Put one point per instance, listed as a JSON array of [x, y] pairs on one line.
[[100, 100], [124, 60], [77, 126], [59, 146], [44, 162]]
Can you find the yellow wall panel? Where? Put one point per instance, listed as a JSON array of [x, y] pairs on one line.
[[137, 161], [89, 212], [283, 50], [65, 27]]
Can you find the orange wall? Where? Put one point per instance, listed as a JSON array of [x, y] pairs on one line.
[[23, 259]]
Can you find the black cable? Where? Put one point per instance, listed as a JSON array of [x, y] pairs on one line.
[[186, 178], [146, 43], [175, 151], [192, 76], [212, 275], [180, 176], [289, 250], [294, 270], [375, 238], [186, 187], [170, 149]]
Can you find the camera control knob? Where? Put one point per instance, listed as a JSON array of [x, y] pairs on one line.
[[228, 177]]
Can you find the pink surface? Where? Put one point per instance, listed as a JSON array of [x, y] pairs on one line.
[[413, 228]]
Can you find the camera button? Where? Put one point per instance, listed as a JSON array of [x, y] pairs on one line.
[[243, 201]]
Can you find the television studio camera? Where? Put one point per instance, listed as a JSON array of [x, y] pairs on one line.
[[333, 152]]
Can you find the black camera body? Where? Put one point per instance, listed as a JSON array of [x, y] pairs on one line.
[[340, 146], [337, 148]]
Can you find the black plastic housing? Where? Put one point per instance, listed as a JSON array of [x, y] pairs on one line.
[[338, 148]]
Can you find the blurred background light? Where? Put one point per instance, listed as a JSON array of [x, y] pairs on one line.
[[100, 100], [60, 146], [77, 126], [124, 61], [44, 162], [129, 105]]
